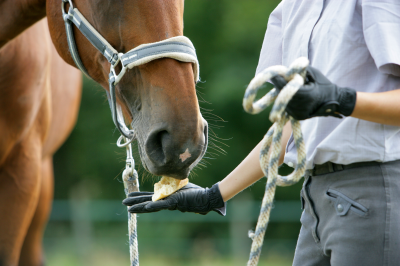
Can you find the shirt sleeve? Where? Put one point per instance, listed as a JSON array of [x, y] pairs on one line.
[[381, 26], [271, 51]]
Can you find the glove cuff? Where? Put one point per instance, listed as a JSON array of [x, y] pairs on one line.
[[347, 101], [216, 201]]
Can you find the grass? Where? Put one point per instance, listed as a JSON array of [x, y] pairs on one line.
[[102, 254], [105, 244]]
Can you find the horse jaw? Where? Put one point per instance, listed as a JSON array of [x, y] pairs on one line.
[[166, 116], [160, 96]]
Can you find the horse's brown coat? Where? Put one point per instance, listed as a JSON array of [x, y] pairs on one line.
[[38, 109], [40, 94], [159, 96]]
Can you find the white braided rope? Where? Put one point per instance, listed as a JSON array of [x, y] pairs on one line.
[[271, 143], [131, 184]]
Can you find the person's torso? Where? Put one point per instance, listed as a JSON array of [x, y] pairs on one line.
[[330, 33]]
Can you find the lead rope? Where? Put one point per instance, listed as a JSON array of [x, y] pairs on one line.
[[271, 143], [131, 184]]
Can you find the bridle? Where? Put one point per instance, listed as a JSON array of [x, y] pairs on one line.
[[179, 48]]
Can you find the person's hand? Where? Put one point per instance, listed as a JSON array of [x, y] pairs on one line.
[[318, 97], [190, 198]]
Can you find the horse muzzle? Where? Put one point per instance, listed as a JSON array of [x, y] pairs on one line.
[[175, 153]]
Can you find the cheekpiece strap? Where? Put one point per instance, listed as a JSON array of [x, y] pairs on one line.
[[72, 46], [92, 35]]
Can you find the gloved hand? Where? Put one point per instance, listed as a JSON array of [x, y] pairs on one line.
[[318, 97], [190, 198]]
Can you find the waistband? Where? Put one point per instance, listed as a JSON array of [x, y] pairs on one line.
[[326, 168]]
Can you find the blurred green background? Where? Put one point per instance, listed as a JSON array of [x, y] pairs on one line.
[[88, 225]]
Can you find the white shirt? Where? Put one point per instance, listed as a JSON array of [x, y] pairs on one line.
[[356, 44]]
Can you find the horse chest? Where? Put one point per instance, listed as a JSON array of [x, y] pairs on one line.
[[25, 86]]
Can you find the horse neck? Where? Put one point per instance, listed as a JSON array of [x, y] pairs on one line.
[[17, 15]]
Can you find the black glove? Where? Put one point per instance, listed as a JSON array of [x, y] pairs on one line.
[[318, 97], [190, 198]]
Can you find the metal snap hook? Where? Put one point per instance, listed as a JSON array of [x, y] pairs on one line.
[[118, 77], [129, 171]]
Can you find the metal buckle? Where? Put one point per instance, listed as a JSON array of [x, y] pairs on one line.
[[71, 6], [118, 77]]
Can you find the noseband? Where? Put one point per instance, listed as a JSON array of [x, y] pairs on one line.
[[179, 48]]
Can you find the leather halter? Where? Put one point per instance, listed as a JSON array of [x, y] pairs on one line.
[[179, 48]]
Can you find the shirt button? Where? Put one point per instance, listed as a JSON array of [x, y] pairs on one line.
[[290, 164], [340, 208]]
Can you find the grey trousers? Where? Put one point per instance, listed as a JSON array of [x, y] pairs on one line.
[[351, 216]]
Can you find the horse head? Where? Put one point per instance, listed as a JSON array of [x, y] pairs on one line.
[[158, 98]]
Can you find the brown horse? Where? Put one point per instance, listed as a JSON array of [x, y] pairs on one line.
[[39, 97], [39, 101]]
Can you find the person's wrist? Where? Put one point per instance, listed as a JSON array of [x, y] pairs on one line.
[[215, 197], [347, 100], [216, 202]]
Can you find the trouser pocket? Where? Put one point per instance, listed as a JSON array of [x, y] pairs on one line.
[[344, 204]]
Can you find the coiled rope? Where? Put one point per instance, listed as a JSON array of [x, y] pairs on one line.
[[271, 143]]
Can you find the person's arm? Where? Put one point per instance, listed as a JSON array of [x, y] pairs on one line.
[[382, 107], [249, 170], [320, 97]]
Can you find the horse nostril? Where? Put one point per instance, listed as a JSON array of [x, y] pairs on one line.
[[155, 146], [175, 152]]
